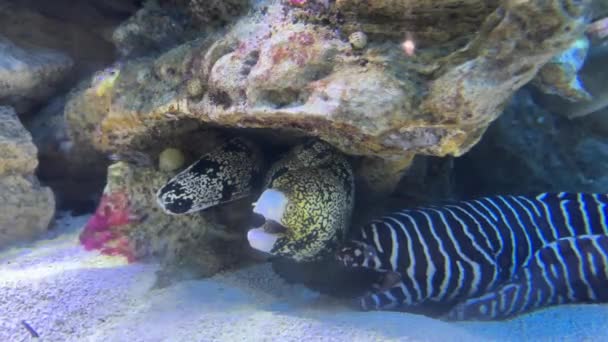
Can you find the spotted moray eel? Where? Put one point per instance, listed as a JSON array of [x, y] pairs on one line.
[[225, 174], [307, 203], [487, 259]]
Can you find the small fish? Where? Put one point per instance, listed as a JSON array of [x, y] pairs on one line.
[[104, 80]]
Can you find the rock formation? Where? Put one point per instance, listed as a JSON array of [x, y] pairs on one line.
[[26, 207]]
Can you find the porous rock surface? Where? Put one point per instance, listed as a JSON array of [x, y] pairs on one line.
[[79, 29], [291, 68], [151, 29], [529, 150], [201, 244], [27, 207], [75, 172], [593, 75], [129, 222], [211, 12], [29, 75]]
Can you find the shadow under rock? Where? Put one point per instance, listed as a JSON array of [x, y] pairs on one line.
[[327, 277]]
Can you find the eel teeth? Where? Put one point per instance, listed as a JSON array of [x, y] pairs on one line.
[[271, 205]]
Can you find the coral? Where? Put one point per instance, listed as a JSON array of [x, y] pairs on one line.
[[128, 222], [105, 230], [298, 2]]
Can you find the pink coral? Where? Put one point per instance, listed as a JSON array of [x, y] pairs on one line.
[[105, 229], [298, 3]]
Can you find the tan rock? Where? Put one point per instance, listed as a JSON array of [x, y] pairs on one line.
[[26, 211], [29, 75], [75, 172], [199, 242], [17, 151], [79, 29], [283, 70], [26, 207]]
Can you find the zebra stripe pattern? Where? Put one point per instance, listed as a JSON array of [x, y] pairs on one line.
[[494, 246], [568, 270]]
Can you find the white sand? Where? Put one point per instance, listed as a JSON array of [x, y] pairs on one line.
[[68, 294]]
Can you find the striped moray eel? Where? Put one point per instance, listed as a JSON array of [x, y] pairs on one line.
[[486, 259], [569, 270]]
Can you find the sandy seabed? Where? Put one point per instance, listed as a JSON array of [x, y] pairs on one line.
[[65, 293]]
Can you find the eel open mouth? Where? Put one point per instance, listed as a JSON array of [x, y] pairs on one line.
[[271, 206]]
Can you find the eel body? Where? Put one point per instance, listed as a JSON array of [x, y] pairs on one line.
[[225, 174], [306, 203], [487, 259]]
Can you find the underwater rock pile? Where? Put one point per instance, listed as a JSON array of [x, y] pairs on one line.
[[150, 30], [560, 75], [226, 131], [380, 82], [280, 68], [591, 76], [28, 76], [528, 149], [211, 12], [75, 172], [60, 42], [27, 207], [47, 47]]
